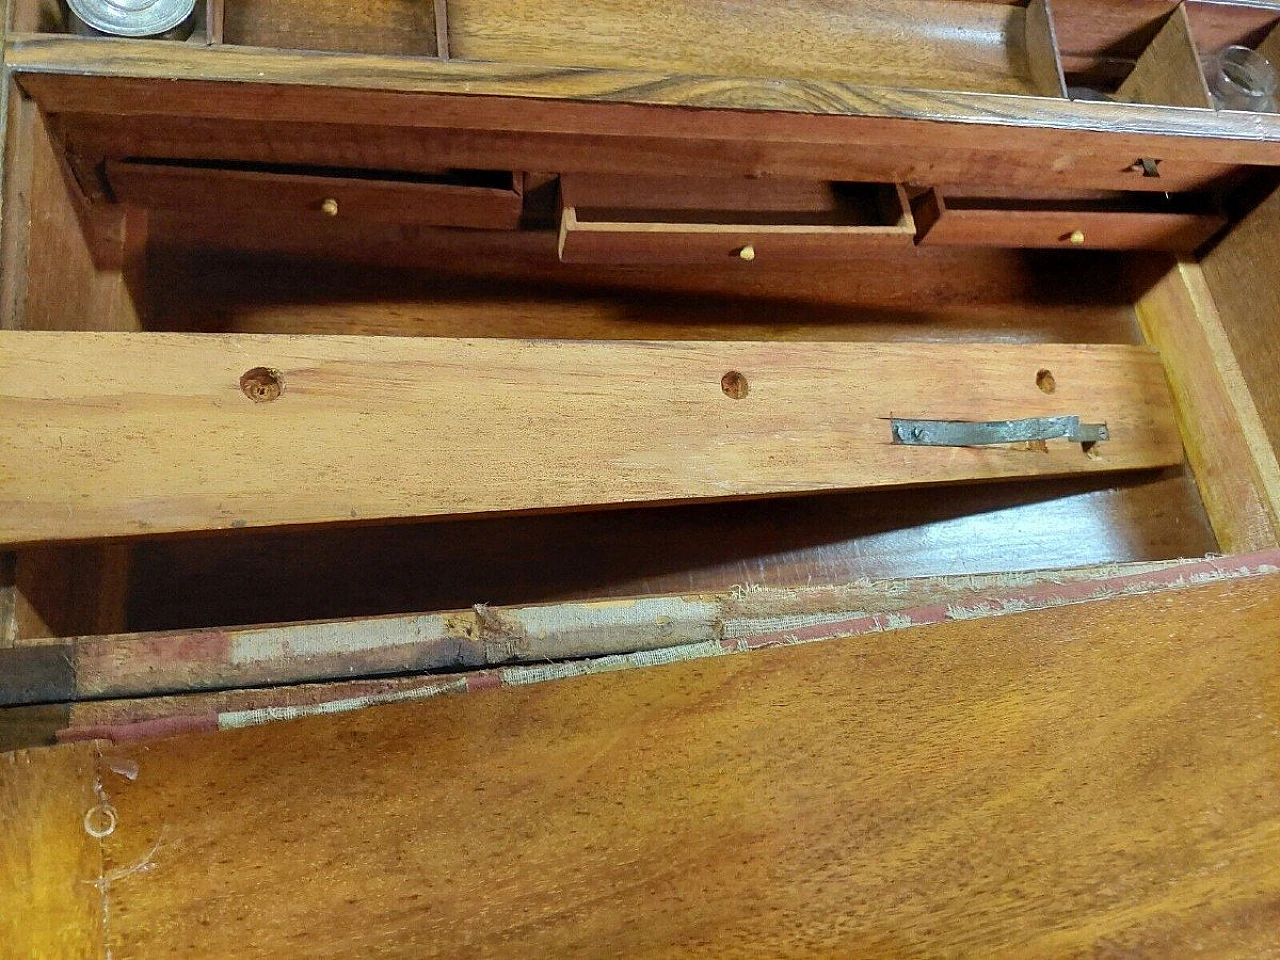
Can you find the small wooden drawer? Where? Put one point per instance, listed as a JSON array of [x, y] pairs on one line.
[[481, 199], [697, 220], [1179, 222]]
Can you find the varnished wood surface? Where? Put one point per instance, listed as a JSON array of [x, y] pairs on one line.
[[1241, 274], [483, 137], [67, 74], [1226, 442], [449, 426], [138, 665], [919, 44], [1090, 780], [969, 222], [1169, 69], [221, 194], [1040, 42]]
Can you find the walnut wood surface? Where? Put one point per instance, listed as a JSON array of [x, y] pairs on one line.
[[1101, 778]]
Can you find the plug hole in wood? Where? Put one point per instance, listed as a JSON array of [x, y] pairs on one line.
[[262, 384], [1045, 381], [734, 385]]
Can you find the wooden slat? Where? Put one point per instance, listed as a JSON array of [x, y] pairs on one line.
[[1227, 447], [1071, 782], [147, 433], [1041, 42], [1169, 69]]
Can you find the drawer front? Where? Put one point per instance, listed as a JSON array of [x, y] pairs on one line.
[[731, 225], [246, 193], [949, 223], [700, 243]]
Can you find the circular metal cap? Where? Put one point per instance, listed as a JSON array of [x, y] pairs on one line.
[[133, 18]]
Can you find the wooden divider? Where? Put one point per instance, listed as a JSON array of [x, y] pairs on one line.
[[1169, 71]]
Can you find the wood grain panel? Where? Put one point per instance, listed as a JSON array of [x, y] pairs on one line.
[[1242, 276], [1169, 69], [1096, 779], [852, 222], [51, 898], [104, 436], [478, 142], [968, 221], [926, 44], [244, 194], [1227, 447], [69, 75]]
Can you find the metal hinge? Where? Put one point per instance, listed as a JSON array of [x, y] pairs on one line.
[[964, 433]]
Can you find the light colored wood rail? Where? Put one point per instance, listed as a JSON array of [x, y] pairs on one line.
[[1075, 781], [119, 434]]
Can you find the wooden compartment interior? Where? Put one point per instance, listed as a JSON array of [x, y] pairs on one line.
[[512, 285], [176, 269], [925, 44], [1152, 53], [393, 27], [51, 16]]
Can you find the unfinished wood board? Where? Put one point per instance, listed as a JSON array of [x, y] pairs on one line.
[[1227, 447], [1169, 71], [370, 26], [149, 433], [1100, 778], [903, 43]]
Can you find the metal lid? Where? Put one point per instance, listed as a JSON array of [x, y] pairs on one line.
[[133, 18]]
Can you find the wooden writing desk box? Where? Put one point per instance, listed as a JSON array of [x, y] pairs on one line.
[[325, 266]]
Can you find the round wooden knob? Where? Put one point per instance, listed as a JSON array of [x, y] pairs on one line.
[[747, 253], [330, 207], [1076, 237]]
